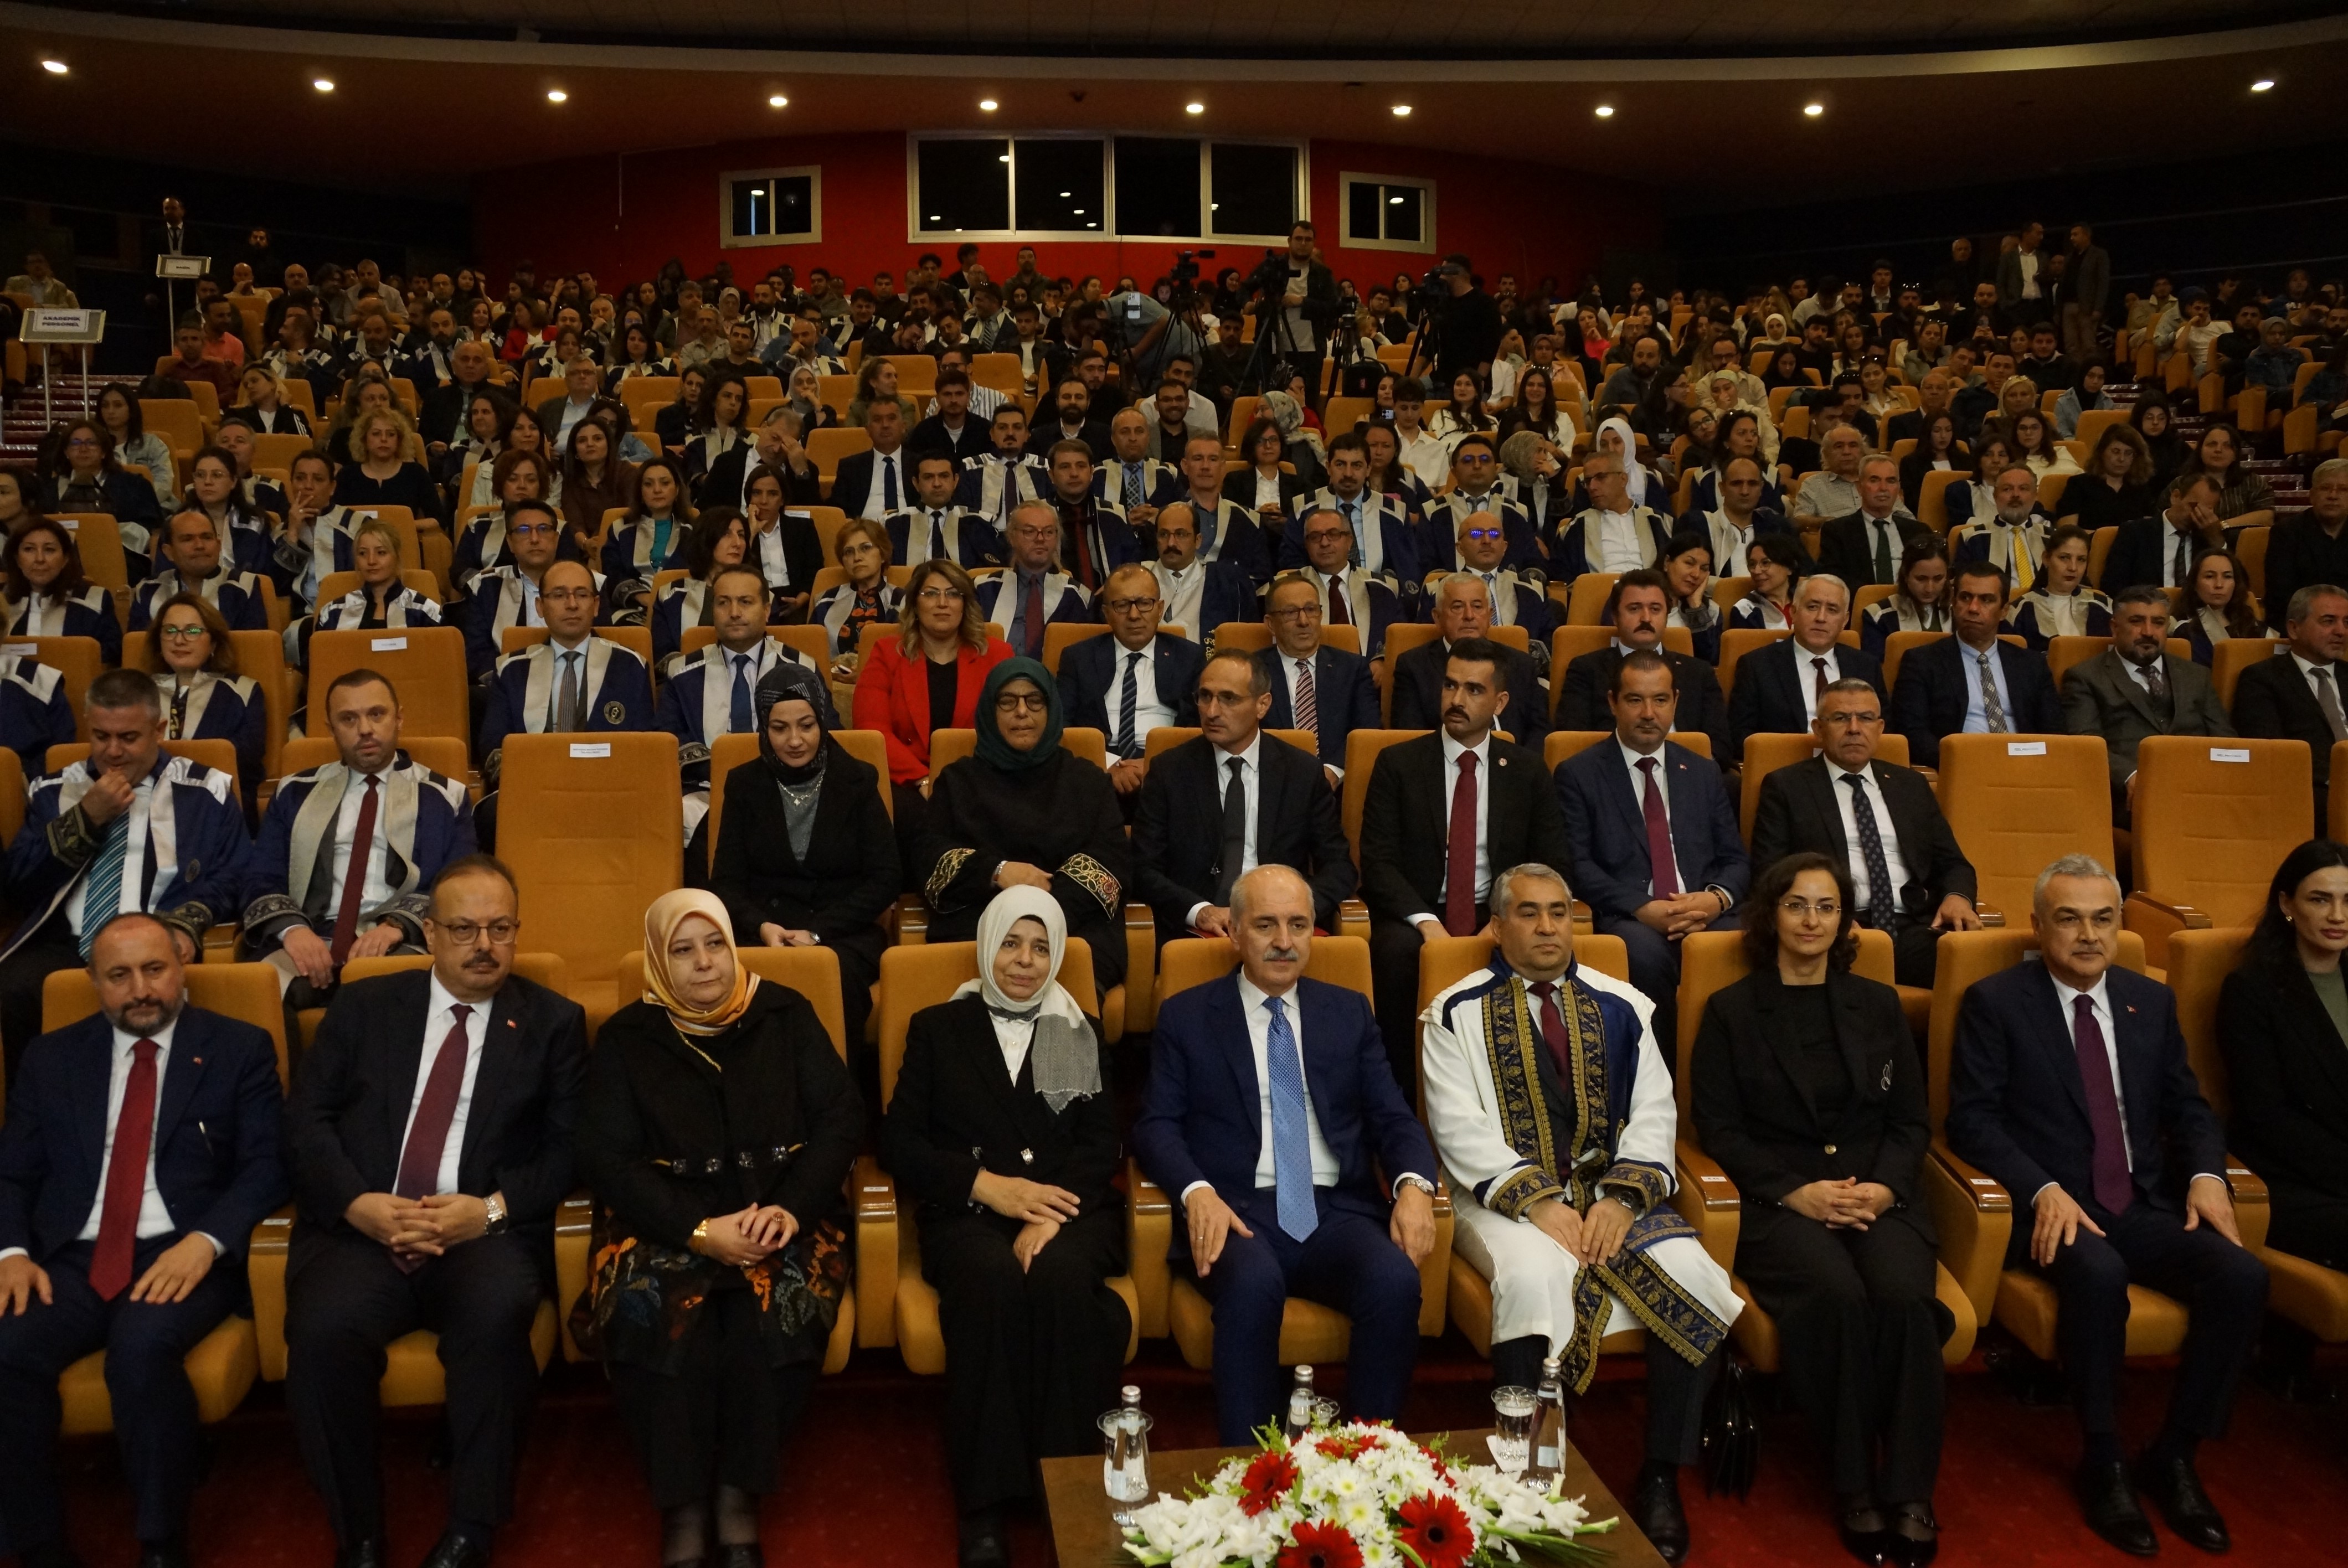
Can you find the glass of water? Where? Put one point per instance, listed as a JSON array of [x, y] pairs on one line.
[[1125, 1464], [1513, 1409]]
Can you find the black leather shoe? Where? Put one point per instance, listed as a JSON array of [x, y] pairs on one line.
[[2110, 1505], [1655, 1510], [2176, 1489], [455, 1551], [1866, 1534], [360, 1554], [1915, 1535], [173, 1554], [749, 1557], [982, 1541]]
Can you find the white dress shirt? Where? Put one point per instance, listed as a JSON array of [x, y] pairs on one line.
[[1149, 710], [1259, 1028], [1014, 1036], [154, 1218], [573, 411], [1618, 543], [1894, 864], [1806, 675], [1252, 781], [1452, 752], [375, 891], [876, 499], [439, 1018], [1181, 590], [2306, 673]]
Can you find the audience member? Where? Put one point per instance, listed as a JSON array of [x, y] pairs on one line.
[[1421, 683], [1779, 687], [1863, 546], [2312, 546], [1132, 680], [1641, 613], [1328, 691], [2060, 603], [2158, 549], [2135, 688], [1974, 682], [929, 676], [2297, 698], [47, 594]]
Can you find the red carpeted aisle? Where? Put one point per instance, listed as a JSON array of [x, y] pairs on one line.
[[866, 1486]]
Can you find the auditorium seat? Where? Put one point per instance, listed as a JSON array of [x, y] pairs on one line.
[[1362, 748], [76, 658], [1254, 637], [1309, 1331], [1764, 754], [2228, 659], [1735, 643], [1711, 962], [2017, 803], [262, 656], [212, 752], [426, 665], [592, 830], [814, 641], [444, 754], [826, 448], [1404, 635], [179, 421], [2307, 1293], [2335, 809], [1900, 645], [897, 1306], [1932, 498], [1567, 643], [11, 796], [2213, 819], [97, 539], [1560, 747], [1586, 598], [1060, 636]]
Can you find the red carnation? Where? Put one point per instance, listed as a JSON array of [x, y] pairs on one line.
[[1434, 1527], [1267, 1479], [1321, 1546]]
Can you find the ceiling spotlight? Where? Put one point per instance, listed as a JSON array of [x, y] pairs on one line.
[[935, 219], [1001, 158], [1605, 111], [1194, 109], [1814, 110], [556, 96], [55, 68], [2262, 85], [1065, 194], [1393, 200], [777, 101], [323, 84], [986, 105], [1401, 110]]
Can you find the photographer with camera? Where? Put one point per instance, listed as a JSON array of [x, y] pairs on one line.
[[1151, 333], [1295, 302], [1467, 324]]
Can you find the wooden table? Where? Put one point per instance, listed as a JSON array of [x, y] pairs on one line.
[[1083, 1536]]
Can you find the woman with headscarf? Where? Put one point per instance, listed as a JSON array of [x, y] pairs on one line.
[[1299, 443], [1024, 812], [1000, 1131], [718, 1127], [804, 855]]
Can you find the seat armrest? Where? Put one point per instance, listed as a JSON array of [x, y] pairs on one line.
[[1149, 1232], [1991, 916], [1584, 923], [1141, 968], [912, 921], [2252, 1211], [1709, 1201], [1932, 778], [1974, 1217], [220, 945], [574, 1261], [1353, 918], [265, 1256], [2155, 920], [875, 1193]]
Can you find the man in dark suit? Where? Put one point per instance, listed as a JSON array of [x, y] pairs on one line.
[[403, 1227], [1972, 683], [2159, 549], [2296, 696], [1642, 608], [558, 416], [1463, 612], [1443, 812], [1194, 838], [1270, 1116], [1909, 875], [2135, 688], [878, 480], [1314, 687], [1779, 687], [194, 1096], [2312, 546], [1132, 680], [1201, 595], [932, 527], [1655, 852], [2070, 1085], [952, 429], [446, 408], [1863, 547], [773, 445]]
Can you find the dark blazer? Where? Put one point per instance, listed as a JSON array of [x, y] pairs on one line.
[[1800, 812], [2272, 702], [2100, 698], [444, 409], [1768, 700], [1845, 551], [851, 874], [1177, 830], [2138, 550], [1404, 840], [1581, 702], [2300, 552], [1344, 692], [1201, 1116], [348, 1115], [1930, 701], [731, 471], [852, 481], [1232, 533], [2288, 1067], [1757, 1091], [1227, 594], [1417, 678], [216, 1133], [1606, 830], [2018, 1109], [932, 436], [1091, 674]]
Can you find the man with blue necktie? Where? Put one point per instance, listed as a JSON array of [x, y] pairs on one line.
[[1270, 1113], [1134, 679]]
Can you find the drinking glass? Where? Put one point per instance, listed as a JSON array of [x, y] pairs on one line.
[[1513, 1409]]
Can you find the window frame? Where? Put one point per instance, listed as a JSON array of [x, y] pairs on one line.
[[729, 240], [1108, 233], [1425, 245]]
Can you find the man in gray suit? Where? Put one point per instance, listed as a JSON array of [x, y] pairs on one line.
[[2135, 688]]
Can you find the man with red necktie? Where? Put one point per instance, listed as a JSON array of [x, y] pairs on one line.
[[139, 1252], [430, 1136]]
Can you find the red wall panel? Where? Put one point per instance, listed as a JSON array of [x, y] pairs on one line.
[[622, 218]]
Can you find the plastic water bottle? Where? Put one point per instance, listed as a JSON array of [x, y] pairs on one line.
[[1125, 1466], [1549, 1427], [1300, 1405]]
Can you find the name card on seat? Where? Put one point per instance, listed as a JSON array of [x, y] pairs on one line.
[[2026, 748], [20, 649], [2229, 753], [590, 748], [386, 644]]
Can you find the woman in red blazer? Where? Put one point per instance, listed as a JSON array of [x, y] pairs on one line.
[[927, 677]]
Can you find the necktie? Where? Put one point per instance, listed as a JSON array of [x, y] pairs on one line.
[[1881, 898], [739, 718], [2327, 697], [1663, 866], [1234, 831], [1341, 608], [2018, 550], [178, 731], [1292, 1137], [2181, 567], [1031, 616], [1132, 485], [355, 876], [1885, 571], [102, 896], [1932, 618], [572, 700], [1307, 703], [1492, 597], [2115, 1189], [937, 535], [427, 1135], [1992, 711], [1128, 697], [889, 482], [1459, 876], [2154, 679], [1085, 573], [1352, 526], [125, 1177], [1818, 685], [1552, 1025]]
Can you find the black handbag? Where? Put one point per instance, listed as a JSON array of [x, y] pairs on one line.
[[1732, 1433]]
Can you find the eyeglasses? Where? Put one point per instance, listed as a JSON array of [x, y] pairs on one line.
[[1850, 719], [939, 596], [1128, 606], [1298, 612], [1474, 460], [1484, 534], [568, 595], [532, 531], [465, 933], [1802, 909], [180, 633], [1014, 703]]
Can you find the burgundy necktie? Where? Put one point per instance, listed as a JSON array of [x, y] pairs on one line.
[[1341, 610], [1552, 1024], [2115, 1190], [427, 1135], [125, 1177], [1459, 878], [1817, 683], [1664, 869], [354, 877]]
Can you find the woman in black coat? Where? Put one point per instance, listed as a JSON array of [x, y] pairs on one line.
[[1809, 1091], [806, 855], [716, 1132], [1001, 1131], [2282, 1022]]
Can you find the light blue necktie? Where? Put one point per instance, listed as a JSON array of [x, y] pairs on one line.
[[1291, 1142], [739, 718], [1353, 522], [102, 894]]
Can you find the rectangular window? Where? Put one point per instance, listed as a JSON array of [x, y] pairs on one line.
[[1060, 184], [770, 207], [963, 186], [1157, 187], [1091, 187], [1254, 188], [1389, 211]]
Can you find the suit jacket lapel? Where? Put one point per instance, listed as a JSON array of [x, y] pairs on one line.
[[1502, 816], [406, 1060], [93, 1079], [1824, 782], [1625, 791], [1766, 1000], [2136, 695], [1850, 1034], [2316, 1038], [1227, 1022], [2059, 1041], [180, 1079], [499, 1038]]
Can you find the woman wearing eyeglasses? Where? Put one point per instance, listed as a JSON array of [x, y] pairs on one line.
[[381, 599], [929, 676], [204, 698]]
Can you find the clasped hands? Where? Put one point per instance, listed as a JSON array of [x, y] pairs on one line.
[[1848, 1205], [1042, 1208], [748, 1235], [418, 1227], [1676, 917]]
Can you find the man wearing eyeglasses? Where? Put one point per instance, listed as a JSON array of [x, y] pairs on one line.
[[1909, 876], [1132, 680], [504, 596], [1034, 592], [1200, 594], [1613, 533], [429, 1135], [1382, 541], [1478, 487], [191, 544], [1315, 687], [1519, 597]]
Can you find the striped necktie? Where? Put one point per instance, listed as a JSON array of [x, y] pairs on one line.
[[101, 897]]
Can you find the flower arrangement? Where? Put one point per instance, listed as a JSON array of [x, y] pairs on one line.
[[1360, 1496]]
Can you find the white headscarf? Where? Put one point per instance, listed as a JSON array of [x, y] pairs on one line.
[[1063, 1051], [1633, 469]]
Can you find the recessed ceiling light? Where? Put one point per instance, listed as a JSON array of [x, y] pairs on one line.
[[556, 96], [1393, 200], [777, 101], [1194, 109], [1065, 194], [1001, 158], [1078, 210], [1605, 111], [987, 105], [936, 218], [55, 68], [1401, 109], [2262, 84], [1814, 110], [323, 84]]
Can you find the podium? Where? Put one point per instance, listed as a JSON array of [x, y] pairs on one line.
[[48, 326]]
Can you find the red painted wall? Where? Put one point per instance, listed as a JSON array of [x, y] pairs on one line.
[[622, 218]]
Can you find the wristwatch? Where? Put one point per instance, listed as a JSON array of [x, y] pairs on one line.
[[496, 1206], [1421, 1183]]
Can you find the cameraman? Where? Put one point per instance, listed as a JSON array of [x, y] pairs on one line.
[[1155, 333], [1295, 300], [1470, 324]]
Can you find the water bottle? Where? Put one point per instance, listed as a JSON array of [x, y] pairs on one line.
[[1300, 1405], [1125, 1467], [1549, 1427]]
